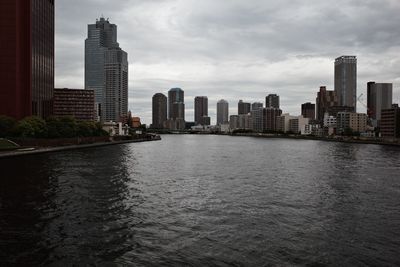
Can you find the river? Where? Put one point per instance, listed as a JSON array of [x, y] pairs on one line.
[[194, 200]]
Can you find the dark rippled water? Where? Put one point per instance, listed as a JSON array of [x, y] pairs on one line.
[[203, 201]]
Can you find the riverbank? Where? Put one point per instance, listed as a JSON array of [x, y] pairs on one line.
[[338, 139], [25, 151]]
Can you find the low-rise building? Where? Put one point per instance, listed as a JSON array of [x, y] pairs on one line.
[[356, 122], [224, 128], [283, 122], [114, 128], [329, 121], [77, 103], [299, 125], [136, 122]]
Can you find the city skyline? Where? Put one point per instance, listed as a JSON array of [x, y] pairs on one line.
[[260, 61]]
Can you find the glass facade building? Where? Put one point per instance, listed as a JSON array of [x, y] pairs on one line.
[[106, 71], [346, 81], [26, 57], [222, 112]]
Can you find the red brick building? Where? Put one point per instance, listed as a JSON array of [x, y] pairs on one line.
[[77, 103]]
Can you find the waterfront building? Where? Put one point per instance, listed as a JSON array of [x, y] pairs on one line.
[[308, 110], [77, 103], [106, 71], [26, 58], [189, 125], [326, 99], [300, 125], [283, 122], [234, 122], [390, 122], [176, 109], [222, 112], [223, 128], [256, 105], [272, 101], [258, 120], [245, 122], [136, 123], [379, 97], [159, 111], [201, 110], [356, 122], [270, 118], [265, 119], [243, 107], [346, 81], [329, 121]]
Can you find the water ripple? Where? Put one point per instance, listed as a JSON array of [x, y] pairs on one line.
[[203, 201]]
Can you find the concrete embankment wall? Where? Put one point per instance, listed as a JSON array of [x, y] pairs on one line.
[[67, 147]]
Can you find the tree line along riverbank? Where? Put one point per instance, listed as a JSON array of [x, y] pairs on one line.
[[34, 133]]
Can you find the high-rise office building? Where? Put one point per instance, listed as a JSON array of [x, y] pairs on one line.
[[106, 71], [325, 100], [159, 111], [308, 110], [245, 122], [264, 119], [201, 110], [176, 103], [26, 58], [256, 105], [234, 122], [346, 81], [272, 101], [222, 112], [243, 107], [379, 97], [176, 109], [390, 122]]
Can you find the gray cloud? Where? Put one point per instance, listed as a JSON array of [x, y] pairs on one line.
[[235, 49]]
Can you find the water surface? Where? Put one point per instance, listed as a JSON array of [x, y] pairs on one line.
[[203, 201]]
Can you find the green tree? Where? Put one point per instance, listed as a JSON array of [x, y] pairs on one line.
[[348, 132], [100, 131], [6, 125], [33, 126], [86, 129], [53, 127], [68, 127]]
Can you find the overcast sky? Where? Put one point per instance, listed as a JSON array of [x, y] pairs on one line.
[[235, 49]]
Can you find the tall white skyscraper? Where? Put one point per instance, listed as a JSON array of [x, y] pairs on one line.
[[106, 71], [222, 112]]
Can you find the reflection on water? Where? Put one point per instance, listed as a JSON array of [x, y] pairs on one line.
[[203, 200]]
